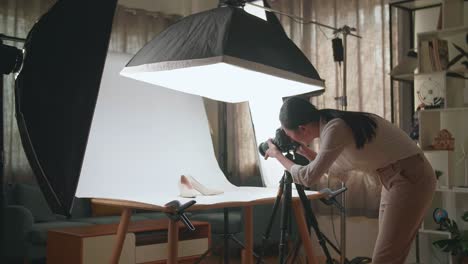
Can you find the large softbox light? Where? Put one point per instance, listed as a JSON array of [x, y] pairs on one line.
[[56, 92], [225, 54]]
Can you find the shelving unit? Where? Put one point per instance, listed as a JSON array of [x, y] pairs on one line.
[[408, 8], [451, 194]]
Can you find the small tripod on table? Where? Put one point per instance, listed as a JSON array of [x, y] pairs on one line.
[[285, 194]]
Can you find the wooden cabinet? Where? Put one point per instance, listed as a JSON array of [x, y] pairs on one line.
[[145, 242]]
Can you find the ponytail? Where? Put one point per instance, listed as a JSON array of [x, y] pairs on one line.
[[363, 125]]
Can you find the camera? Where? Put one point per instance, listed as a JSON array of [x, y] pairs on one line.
[[282, 142]]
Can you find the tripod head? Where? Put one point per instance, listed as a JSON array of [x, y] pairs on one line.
[[330, 199], [296, 158], [178, 212]]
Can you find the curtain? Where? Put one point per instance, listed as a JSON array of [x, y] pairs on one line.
[[16, 19], [132, 29], [368, 83]]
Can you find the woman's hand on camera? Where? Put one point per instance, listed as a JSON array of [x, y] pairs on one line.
[[306, 152], [272, 151]]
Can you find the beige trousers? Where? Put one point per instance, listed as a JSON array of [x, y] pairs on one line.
[[407, 191]]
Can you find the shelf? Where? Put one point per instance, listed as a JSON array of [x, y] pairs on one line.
[[460, 189], [447, 110], [448, 73], [429, 150], [409, 77], [434, 232], [414, 5], [452, 190], [450, 36], [443, 33], [443, 189]]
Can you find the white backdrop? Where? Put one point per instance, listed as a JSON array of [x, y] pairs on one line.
[[143, 137], [265, 117]]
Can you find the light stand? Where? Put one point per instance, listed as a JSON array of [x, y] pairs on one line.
[[345, 31], [2, 166]]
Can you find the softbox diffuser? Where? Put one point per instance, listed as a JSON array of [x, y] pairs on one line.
[[225, 54], [56, 92]]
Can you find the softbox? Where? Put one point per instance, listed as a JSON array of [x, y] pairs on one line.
[[56, 92]]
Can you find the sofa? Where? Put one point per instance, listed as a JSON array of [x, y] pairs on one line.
[[28, 218]]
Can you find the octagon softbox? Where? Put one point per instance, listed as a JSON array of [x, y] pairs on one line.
[[56, 92]]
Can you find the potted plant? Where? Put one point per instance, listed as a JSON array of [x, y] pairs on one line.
[[457, 245]]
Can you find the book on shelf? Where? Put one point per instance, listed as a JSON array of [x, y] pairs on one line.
[[434, 55], [425, 60], [443, 54]]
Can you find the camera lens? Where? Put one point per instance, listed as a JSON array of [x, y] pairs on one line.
[[262, 148]]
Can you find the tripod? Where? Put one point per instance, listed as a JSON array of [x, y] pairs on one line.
[[285, 194]]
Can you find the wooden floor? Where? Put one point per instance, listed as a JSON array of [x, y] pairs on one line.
[[235, 260], [266, 260]]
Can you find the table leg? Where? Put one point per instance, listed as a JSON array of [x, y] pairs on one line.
[[173, 239], [121, 233], [248, 230], [303, 231]]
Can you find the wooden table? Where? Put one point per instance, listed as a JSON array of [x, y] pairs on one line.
[[127, 207]]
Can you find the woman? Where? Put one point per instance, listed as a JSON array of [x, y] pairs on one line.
[[362, 141]]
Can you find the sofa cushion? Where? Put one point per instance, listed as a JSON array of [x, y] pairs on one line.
[[38, 233], [30, 196], [81, 208], [106, 219]]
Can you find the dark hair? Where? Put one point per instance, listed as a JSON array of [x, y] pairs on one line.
[[297, 111]]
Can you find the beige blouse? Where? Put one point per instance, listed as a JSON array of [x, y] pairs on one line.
[[338, 152]]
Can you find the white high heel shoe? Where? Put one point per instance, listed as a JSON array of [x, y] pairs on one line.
[[201, 188], [186, 189]]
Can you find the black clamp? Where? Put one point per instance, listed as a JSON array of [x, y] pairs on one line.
[[178, 212], [330, 198]]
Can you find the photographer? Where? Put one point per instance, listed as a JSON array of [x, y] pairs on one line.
[[363, 141]]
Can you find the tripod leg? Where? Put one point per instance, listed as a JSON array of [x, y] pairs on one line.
[[295, 251], [312, 221], [266, 235], [285, 216], [234, 238], [202, 257], [303, 231]]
